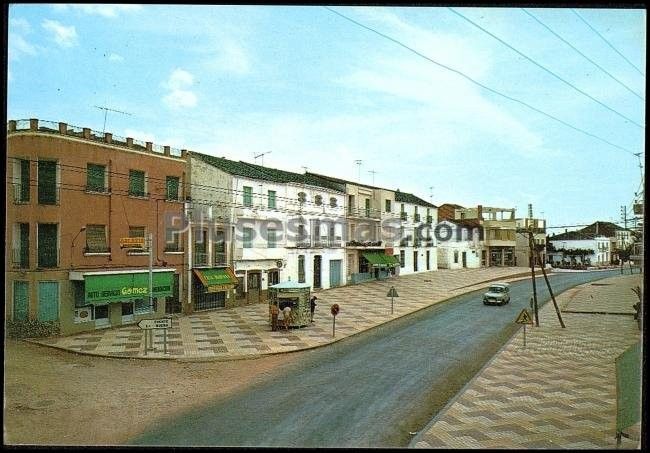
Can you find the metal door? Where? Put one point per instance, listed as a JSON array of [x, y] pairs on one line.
[[464, 259], [335, 273], [48, 301], [21, 300], [317, 271]]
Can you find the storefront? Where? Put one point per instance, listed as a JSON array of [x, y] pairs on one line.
[[213, 288], [114, 298], [379, 265]]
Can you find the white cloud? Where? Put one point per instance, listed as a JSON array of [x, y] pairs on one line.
[[64, 36], [115, 57], [19, 25], [178, 84], [17, 44], [180, 98], [109, 11]]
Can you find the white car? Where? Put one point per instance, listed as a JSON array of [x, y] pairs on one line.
[[497, 294]]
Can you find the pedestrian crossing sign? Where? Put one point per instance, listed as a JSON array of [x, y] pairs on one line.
[[524, 317]]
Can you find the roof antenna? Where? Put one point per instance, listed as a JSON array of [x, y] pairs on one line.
[[262, 156], [358, 162], [106, 110]]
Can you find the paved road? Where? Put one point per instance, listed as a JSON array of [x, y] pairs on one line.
[[370, 390]]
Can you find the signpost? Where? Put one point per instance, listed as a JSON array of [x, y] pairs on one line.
[[524, 318], [148, 325], [335, 311], [392, 293]]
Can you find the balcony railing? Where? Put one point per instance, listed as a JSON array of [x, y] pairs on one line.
[[20, 258], [220, 259], [429, 220], [363, 243], [48, 258], [21, 193], [363, 212], [402, 215], [173, 248], [416, 217], [97, 249], [200, 258]]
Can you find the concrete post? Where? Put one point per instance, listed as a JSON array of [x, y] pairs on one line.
[[33, 124]]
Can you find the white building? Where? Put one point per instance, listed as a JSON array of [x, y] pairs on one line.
[[283, 225], [599, 247], [458, 246], [417, 248]]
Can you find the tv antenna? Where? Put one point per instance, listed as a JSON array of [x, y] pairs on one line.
[[373, 175], [358, 162], [431, 194], [262, 156], [306, 168], [106, 110]]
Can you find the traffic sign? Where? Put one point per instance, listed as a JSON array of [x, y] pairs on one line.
[[392, 292], [524, 318], [148, 324], [335, 309]]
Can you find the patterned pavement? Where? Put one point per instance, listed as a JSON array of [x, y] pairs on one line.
[[245, 331], [557, 392]]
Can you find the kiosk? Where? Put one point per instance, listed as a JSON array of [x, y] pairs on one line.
[[294, 294]]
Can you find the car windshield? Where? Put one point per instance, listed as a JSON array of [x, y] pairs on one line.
[[496, 289]]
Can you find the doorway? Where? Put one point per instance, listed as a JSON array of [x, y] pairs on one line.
[[415, 261], [464, 259], [335, 273], [317, 271], [254, 286]]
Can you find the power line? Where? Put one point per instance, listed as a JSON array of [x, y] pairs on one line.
[[475, 82], [606, 41], [544, 68], [579, 52]]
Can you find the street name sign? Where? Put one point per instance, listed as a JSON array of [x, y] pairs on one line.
[[524, 318], [148, 324]]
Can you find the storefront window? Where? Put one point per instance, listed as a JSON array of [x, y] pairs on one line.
[[142, 306]]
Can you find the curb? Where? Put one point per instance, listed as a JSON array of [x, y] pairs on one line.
[[479, 286]]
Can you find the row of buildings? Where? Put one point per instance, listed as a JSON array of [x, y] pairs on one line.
[[81, 204]]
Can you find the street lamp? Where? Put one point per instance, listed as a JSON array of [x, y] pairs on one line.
[[83, 228]]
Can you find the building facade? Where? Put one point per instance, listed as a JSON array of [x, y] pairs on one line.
[[522, 246], [459, 245], [417, 248], [76, 196]]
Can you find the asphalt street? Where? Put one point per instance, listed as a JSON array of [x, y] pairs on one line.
[[370, 390]]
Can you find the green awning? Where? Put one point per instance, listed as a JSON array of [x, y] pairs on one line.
[[101, 289], [380, 259], [217, 279]]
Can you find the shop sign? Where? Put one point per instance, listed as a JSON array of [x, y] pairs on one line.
[[124, 287], [132, 243]]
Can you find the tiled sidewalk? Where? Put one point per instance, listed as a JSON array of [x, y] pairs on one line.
[[557, 392], [245, 331]]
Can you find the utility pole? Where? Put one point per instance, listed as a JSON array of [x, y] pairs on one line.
[[106, 110], [531, 254]]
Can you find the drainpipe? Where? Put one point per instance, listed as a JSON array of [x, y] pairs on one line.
[[110, 206], [189, 253]]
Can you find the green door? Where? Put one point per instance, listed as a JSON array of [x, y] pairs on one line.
[[48, 301], [335, 273], [21, 300]]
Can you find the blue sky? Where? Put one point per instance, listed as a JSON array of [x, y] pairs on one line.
[[319, 91]]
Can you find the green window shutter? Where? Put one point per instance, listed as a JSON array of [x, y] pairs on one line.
[[24, 245], [47, 245], [248, 196], [21, 300], [96, 238], [172, 187], [248, 238], [95, 177], [301, 268], [136, 183], [48, 301], [367, 207], [24, 180], [272, 199], [387, 205], [46, 182]]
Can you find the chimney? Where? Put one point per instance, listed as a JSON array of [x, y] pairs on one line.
[[129, 142], [530, 211], [108, 137], [33, 124], [63, 128], [86, 132], [166, 148], [479, 212], [183, 153], [149, 146]]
